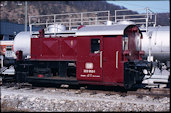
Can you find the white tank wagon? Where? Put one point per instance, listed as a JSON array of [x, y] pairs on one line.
[[156, 42], [22, 42]]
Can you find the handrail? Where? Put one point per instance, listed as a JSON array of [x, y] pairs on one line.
[[71, 20]]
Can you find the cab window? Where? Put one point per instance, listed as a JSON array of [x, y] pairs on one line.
[[95, 45]]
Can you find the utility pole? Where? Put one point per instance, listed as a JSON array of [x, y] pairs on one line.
[[25, 15]]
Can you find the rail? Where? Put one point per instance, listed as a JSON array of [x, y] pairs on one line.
[[149, 18], [70, 20], [74, 20]]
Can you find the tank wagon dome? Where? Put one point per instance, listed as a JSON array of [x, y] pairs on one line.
[[117, 29], [56, 28], [108, 23], [22, 42], [125, 22]]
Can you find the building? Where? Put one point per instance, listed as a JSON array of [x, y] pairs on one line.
[[9, 30]]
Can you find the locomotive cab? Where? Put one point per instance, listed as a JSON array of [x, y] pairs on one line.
[[110, 55]]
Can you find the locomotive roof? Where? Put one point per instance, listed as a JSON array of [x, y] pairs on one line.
[[117, 29]]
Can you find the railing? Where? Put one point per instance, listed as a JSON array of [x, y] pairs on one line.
[[70, 20], [147, 19], [73, 20]]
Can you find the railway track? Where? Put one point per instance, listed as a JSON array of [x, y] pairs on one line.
[[140, 93], [153, 92], [152, 99], [78, 99]]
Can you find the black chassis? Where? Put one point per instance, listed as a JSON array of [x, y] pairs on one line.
[[29, 71], [133, 72]]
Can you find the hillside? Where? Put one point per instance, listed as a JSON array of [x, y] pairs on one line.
[[14, 10]]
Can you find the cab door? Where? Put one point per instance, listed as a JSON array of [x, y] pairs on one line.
[[112, 65], [89, 58]]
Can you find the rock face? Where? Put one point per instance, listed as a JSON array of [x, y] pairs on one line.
[[63, 100], [14, 10]]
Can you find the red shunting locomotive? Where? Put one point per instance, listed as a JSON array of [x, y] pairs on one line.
[[107, 55]]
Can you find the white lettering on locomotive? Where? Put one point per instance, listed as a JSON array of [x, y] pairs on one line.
[[89, 71]]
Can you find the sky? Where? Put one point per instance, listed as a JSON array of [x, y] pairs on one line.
[[157, 6]]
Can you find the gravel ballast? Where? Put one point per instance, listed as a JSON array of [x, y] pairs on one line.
[[62, 100]]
